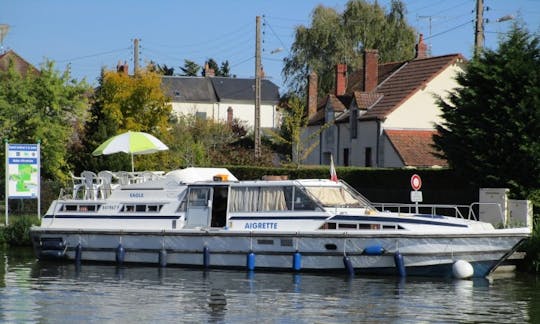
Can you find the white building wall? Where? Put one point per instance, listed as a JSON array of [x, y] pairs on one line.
[[270, 118], [314, 156], [344, 142], [391, 158], [367, 137], [421, 110]]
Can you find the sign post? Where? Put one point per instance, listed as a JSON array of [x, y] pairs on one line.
[[22, 173], [416, 195]]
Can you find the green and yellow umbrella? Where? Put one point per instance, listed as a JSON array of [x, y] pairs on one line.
[[131, 143]]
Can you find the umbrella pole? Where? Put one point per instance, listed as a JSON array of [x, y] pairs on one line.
[[132, 167]]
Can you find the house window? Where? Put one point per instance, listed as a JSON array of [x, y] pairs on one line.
[[354, 123], [345, 157], [368, 162], [200, 115]]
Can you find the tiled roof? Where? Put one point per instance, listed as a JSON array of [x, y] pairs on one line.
[[335, 102], [214, 89], [355, 82], [415, 147], [364, 100], [405, 81], [20, 64]]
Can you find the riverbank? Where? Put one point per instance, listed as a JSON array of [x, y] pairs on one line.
[[17, 233]]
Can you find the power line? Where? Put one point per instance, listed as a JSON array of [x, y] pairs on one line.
[[93, 55], [449, 30]]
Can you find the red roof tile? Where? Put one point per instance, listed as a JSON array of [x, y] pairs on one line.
[[406, 81], [20, 64], [415, 147]]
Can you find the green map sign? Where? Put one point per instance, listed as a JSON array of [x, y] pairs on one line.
[[22, 170]]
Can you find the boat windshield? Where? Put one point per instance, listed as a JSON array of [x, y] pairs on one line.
[[336, 196]]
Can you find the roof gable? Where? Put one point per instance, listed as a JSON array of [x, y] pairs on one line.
[[21, 65], [415, 147], [406, 81]]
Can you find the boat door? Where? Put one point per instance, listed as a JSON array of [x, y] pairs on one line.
[[199, 207]]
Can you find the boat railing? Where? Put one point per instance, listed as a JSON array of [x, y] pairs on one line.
[[459, 211], [432, 209], [91, 186]]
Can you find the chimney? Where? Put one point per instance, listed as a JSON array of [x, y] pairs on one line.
[[312, 94], [421, 48], [208, 72], [341, 79], [122, 68], [371, 70]]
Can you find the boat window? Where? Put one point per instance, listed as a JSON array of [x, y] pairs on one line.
[[337, 196], [350, 226], [198, 197], [80, 208], [141, 208], [249, 199], [302, 201], [265, 242]]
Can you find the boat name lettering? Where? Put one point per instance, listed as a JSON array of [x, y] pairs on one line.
[[136, 195], [109, 207], [260, 225]]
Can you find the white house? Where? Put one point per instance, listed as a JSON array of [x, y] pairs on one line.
[[223, 99], [383, 115]]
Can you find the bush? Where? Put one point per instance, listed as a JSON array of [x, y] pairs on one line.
[[18, 232]]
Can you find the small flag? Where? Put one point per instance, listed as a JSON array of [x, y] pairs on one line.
[[333, 174]]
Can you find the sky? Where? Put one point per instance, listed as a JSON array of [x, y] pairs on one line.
[[88, 35]]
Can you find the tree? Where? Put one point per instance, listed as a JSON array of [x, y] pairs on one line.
[[190, 68], [292, 137], [491, 132], [44, 107], [341, 38], [121, 103]]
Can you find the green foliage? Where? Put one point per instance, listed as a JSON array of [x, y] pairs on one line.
[[17, 233], [202, 142], [341, 38], [122, 103], [46, 107], [292, 138], [491, 133], [190, 68]]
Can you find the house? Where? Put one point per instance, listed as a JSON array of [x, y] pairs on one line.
[[223, 99], [20, 64], [382, 115]]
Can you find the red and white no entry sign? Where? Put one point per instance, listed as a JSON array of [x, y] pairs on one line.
[[416, 182]]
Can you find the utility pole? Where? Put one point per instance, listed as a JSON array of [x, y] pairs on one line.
[[257, 126], [479, 30], [135, 56]]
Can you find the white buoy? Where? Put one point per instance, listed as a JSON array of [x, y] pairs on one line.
[[462, 269]]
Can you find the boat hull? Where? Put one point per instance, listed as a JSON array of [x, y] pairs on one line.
[[422, 254]]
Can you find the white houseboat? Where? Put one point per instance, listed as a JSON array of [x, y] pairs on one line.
[[205, 217]]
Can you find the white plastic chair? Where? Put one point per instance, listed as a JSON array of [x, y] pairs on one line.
[[78, 184], [91, 184], [106, 179]]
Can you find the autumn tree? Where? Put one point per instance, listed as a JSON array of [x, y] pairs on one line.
[[335, 37], [491, 128], [121, 103], [48, 107]]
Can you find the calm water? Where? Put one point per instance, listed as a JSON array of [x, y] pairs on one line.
[[57, 293]]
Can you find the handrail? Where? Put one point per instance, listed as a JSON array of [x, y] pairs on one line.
[[434, 207]]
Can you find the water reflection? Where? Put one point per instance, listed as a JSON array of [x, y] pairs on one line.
[[53, 292]]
